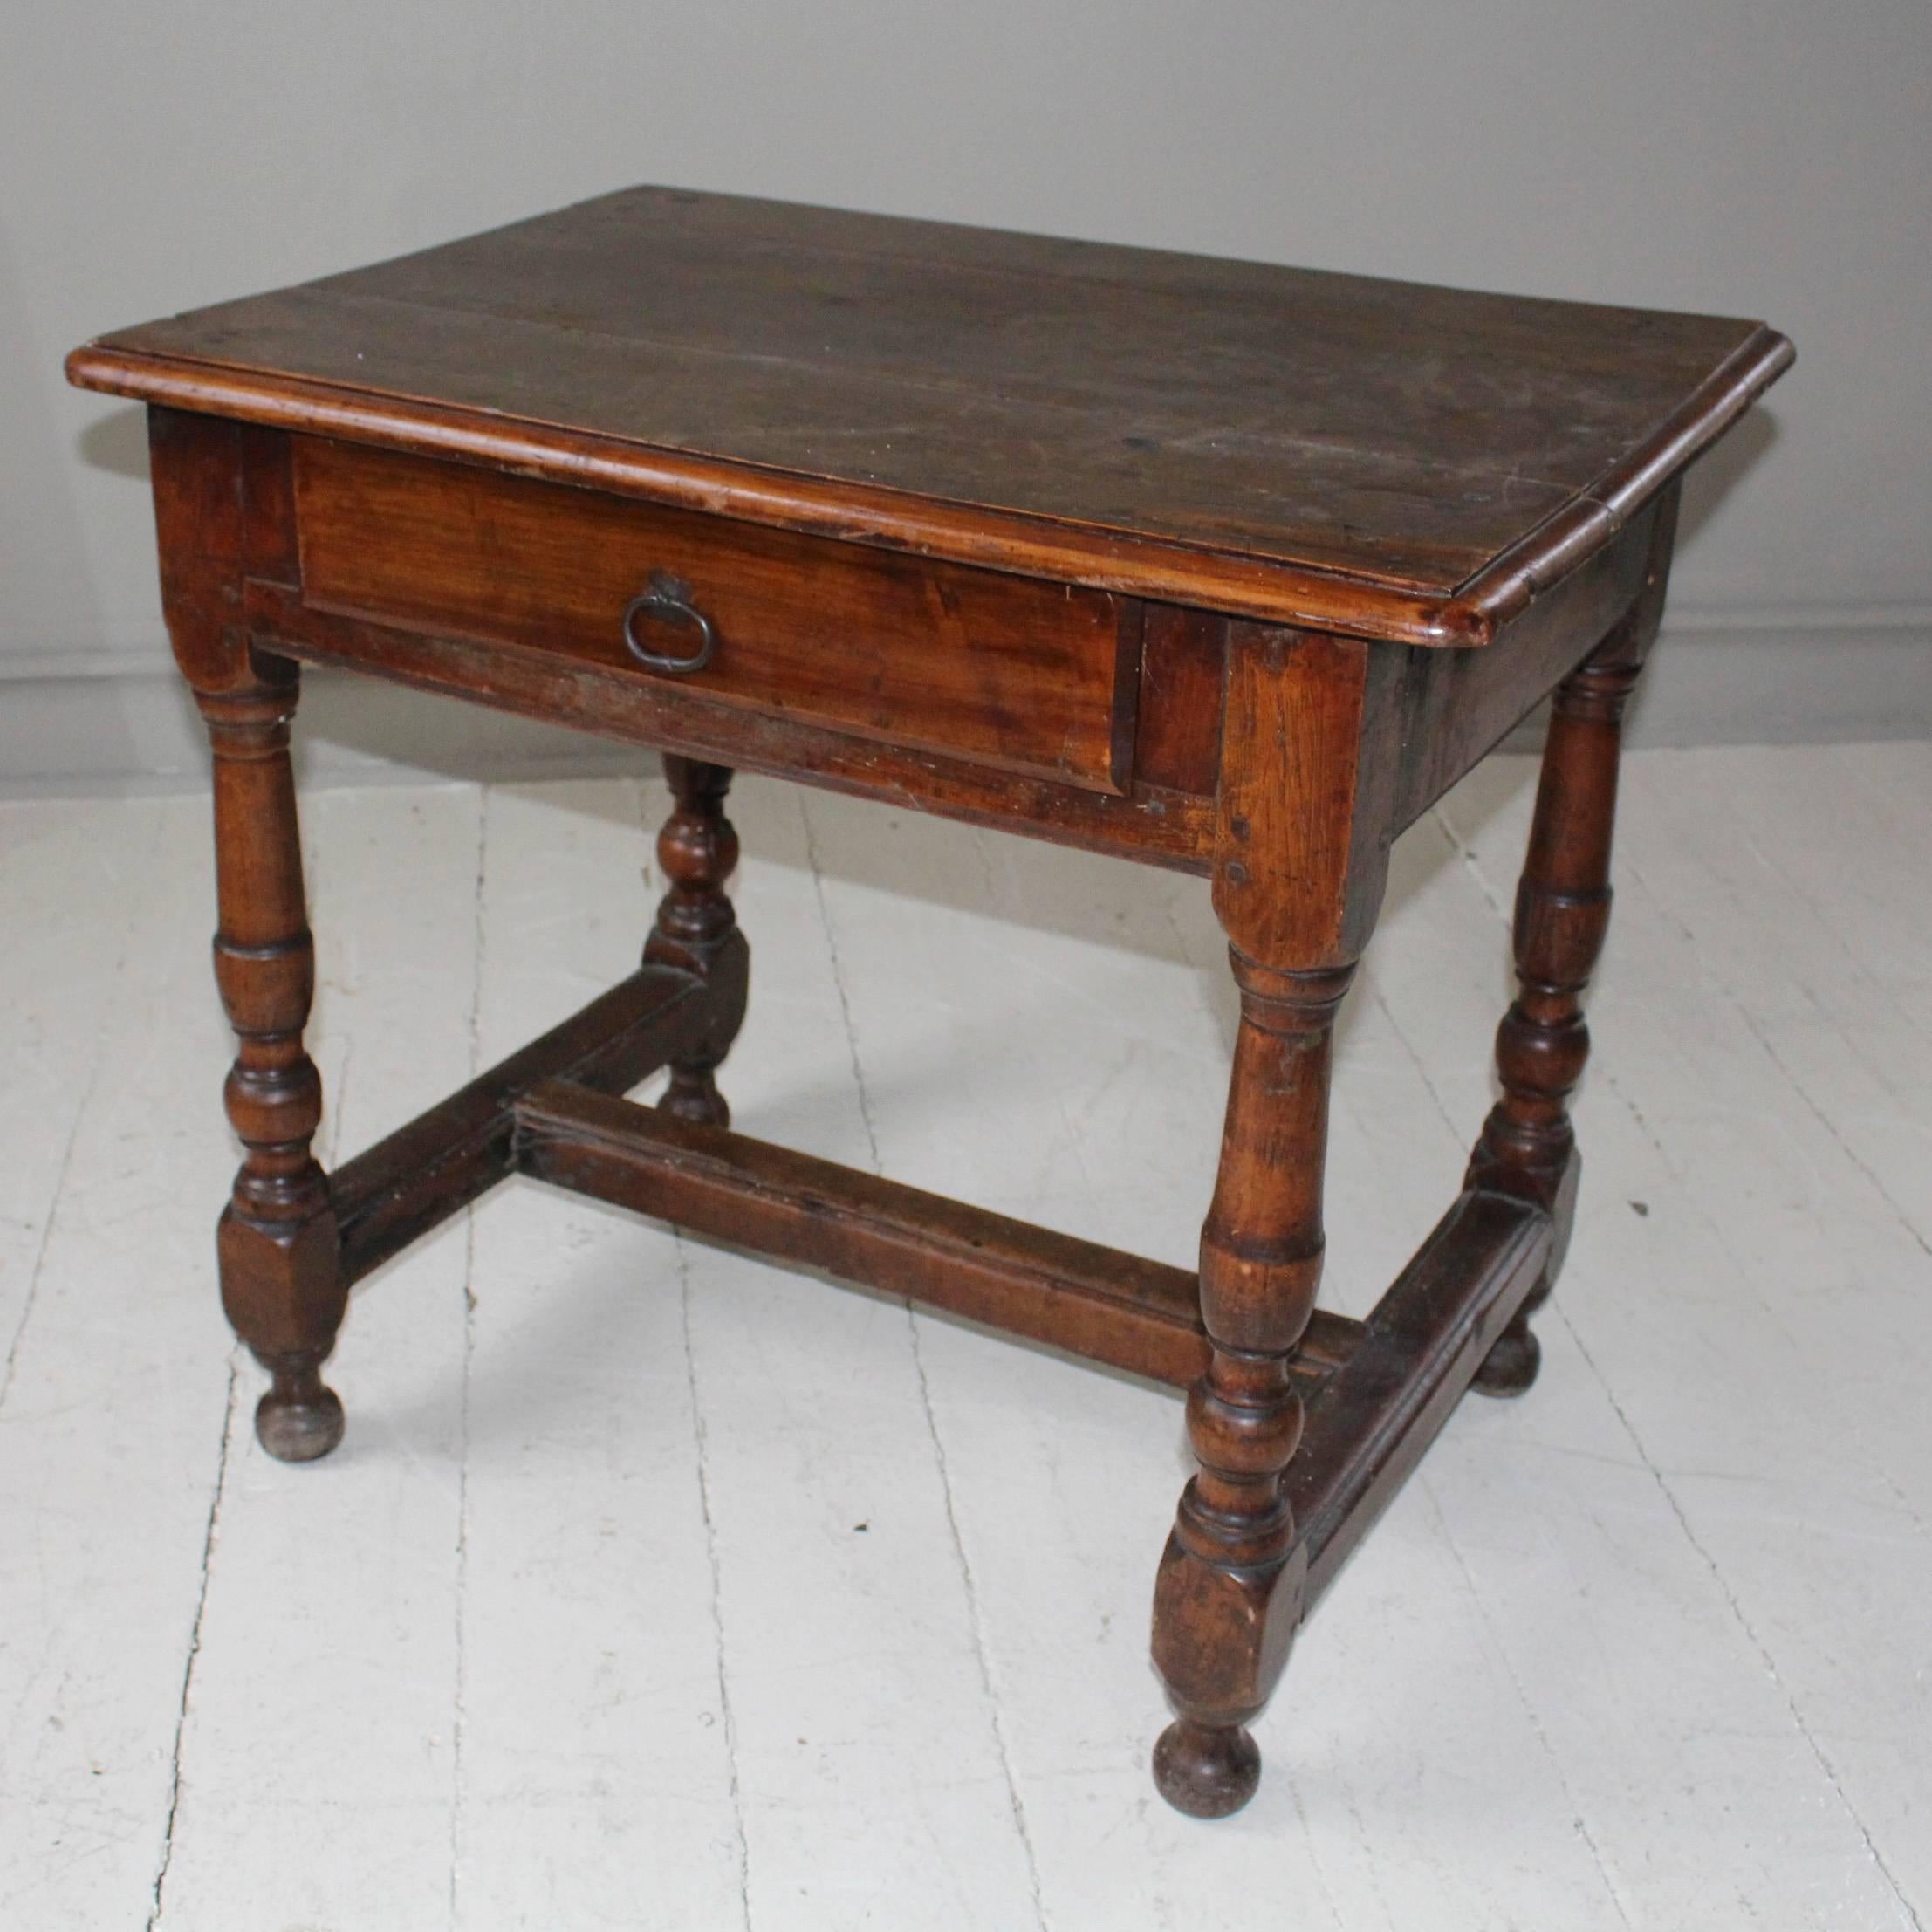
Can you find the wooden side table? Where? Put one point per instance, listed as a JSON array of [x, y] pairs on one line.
[[1214, 565]]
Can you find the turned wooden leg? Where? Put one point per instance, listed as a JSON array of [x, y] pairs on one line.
[[696, 930], [1528, 1145], [1226, 1603], [282, 1283]]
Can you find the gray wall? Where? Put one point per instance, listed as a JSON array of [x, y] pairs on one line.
[[1770, 159]]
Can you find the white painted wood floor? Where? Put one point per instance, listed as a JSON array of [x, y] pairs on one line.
[[656, 1586]]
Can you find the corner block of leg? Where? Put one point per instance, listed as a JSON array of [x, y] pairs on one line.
[[282, 1292], [1222, 1638], [1515, 1358]]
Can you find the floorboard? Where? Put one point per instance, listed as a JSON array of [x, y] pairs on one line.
[[321, 1707], [654, 1586], [595, 1780], [113, 1410]]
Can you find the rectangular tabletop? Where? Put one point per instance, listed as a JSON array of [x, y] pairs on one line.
[[1382, 458]]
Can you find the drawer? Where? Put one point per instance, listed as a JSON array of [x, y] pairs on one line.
[[1009, 671]]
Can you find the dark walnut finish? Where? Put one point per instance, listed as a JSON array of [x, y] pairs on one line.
[[925, 656], [281, 1281], [1214, 565], [697, 932], [1528, 1148]]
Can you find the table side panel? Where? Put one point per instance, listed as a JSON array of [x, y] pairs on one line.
[[1024, 675], [1437, 713], [1156, 827], [1452, 708], [1183, 660]]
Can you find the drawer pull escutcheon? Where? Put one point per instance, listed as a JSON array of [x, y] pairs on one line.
[[670, 598]]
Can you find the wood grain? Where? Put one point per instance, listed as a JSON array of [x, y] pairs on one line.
[[1019, 674], [1183, 658], [1528, 1147], [696, 930], [431, 1167], [824, 428], [1092, 1301], [1378, 457], [276, 1242], [1370, 1426], [1158, 827]]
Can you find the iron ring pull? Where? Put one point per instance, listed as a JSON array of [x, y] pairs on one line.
[[668, 599]]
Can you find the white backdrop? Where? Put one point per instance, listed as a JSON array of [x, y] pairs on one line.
[[1770, 159]]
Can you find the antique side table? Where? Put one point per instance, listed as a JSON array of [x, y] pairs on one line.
[[1213, 565]]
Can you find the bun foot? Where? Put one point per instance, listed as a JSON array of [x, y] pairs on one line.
[[1206, 1771], [1510, 1365], [300, 1419], [694, 1097]]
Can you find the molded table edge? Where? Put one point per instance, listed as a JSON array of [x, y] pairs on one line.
[[1239, 585]]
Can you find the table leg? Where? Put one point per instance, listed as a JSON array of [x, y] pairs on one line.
[[1300, 861], [282, 1284], [1528, 1144], [1225, 1603], [696, 928]]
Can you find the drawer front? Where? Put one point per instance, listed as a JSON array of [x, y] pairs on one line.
[[1028, 677]]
